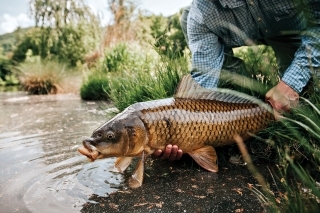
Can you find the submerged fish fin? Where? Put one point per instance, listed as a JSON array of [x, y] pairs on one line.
[[206, 157], [189, 88], [136, 179], [122, 163]]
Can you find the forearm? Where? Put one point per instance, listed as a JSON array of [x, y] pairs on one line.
[[306, 60], [206, 69]]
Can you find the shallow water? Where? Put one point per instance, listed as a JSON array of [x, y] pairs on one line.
[[41, 170]]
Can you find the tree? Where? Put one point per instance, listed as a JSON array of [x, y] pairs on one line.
[[59, 13], [123, 16], [68, 31]]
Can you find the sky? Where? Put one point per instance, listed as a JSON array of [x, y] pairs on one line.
[[16, 13]]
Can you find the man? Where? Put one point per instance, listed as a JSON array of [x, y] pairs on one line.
[[291, 27]]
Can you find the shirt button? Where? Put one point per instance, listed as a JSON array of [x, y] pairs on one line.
[[259, 19], [251, 3]]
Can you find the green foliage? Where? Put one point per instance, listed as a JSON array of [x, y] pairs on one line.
[[4, 66], [257, 75], [260, 63], [68, 46], [117, 58], [68, 32], [169, 72], [168, 35], [131, 78], [119, 61], [59, 13], [130, 74], [73, 43], [96, 87], [7, 78], [37, 40], [8, 41], [144, 86]]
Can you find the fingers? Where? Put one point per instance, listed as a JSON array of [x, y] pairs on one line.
[[175, 154], [179, 154], [157, 153], [167, 152], [171, 152]]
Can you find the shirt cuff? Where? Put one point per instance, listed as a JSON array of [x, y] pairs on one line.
[[296, 77]]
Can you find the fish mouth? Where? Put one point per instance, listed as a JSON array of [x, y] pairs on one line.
[[90, 152]]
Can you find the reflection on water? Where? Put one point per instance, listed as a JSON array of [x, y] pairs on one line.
[[41, 170]]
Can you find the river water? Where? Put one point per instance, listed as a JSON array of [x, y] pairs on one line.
[[41, 170]]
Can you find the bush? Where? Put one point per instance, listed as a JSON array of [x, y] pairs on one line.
[[5, 64], [168, 35], [117, 58], [68, 46], [42, 77], [96, 87]]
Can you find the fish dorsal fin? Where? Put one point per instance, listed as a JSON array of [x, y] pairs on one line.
[[188, 88]]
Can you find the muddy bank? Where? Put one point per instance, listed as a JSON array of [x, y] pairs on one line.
[[182, 187]]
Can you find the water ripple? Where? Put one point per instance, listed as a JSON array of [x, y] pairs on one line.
[[41, 170]]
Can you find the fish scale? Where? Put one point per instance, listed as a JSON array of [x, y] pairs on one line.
[[199, 121]]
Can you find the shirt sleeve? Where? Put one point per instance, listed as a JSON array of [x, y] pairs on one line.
[[306, 60], [207, 51]]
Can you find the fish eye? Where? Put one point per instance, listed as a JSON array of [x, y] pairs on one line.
[[110, 135]]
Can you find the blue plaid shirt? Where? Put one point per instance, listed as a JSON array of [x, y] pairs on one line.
[[217, 25]]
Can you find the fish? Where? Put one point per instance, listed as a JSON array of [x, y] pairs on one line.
[[195, 119]]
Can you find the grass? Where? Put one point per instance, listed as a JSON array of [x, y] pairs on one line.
[[46, 77], [150, 84], [128, 74]]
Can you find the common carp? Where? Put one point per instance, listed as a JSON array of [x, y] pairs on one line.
[[195, 119]]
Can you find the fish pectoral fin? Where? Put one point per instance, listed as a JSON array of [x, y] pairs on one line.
[[206, 157], [136, 179], [122, 164]]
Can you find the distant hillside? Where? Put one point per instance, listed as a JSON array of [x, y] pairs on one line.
[[9, 40]]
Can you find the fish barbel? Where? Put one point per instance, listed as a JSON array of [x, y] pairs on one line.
[[195, 119]]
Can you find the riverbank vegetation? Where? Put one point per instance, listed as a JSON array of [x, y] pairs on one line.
[[140, 56]]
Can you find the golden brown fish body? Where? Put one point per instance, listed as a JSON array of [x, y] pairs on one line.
[[196, 121], [192, 124]]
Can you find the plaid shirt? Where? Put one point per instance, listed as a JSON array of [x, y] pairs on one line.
[[215, 26]]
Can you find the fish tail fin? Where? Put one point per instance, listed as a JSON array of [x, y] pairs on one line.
[[206, 157]]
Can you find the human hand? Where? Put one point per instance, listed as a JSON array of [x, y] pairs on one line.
[[282, 97], [170, 152]]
